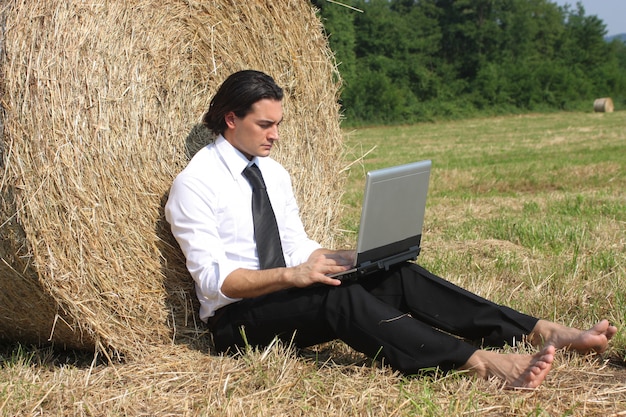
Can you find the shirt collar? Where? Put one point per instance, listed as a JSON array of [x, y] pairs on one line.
[[235, 161]]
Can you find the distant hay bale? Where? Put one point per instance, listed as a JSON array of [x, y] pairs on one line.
[[99, 105], [603, 105]]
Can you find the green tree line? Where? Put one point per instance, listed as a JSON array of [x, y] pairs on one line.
[[405, 61]]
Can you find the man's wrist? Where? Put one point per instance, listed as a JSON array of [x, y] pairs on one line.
[[286, 277]]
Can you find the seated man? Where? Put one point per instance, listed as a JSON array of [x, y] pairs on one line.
[[264, 274]]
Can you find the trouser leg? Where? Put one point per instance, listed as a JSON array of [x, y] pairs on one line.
[[349, 313], [393, 316], [448, 307], [380, 330], [295, 314]]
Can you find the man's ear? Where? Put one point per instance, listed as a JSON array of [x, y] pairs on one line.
[[229, 118]]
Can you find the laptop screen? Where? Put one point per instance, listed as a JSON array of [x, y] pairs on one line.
[[393, 210]]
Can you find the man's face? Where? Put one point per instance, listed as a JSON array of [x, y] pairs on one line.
[[255, 134]]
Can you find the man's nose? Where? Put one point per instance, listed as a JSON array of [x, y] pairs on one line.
[[273, 133]]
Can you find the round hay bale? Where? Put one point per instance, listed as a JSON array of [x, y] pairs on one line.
[[100, 109], [603, 105]]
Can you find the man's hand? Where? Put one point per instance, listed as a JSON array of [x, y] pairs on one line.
[[245, 283], [320, 264]]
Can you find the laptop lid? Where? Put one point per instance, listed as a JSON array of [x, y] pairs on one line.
[[392, 216]]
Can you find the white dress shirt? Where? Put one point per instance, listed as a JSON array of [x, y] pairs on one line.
[[210, 212]]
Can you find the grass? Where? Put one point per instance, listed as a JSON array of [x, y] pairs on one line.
[[517, 200], [527, 210]]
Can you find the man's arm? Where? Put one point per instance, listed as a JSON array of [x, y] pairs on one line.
[[246, 283]]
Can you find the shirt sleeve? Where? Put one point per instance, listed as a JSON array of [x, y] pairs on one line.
[[192, 217]]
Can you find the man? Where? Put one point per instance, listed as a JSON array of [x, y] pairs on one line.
[[406, 316]]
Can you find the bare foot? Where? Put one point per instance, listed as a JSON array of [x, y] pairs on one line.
[[515, 370], [596, 339]]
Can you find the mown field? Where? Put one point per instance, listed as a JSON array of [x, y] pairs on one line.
[[529, 211]]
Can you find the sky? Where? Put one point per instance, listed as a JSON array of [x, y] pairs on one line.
[[611, 12]]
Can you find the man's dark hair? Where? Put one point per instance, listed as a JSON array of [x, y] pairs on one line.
[[237, 94]]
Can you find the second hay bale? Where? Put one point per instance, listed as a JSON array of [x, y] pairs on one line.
[[603, 105]]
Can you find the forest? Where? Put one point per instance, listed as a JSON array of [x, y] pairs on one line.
[[407, 61]]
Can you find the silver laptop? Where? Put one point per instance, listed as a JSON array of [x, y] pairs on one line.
[[392, 217]]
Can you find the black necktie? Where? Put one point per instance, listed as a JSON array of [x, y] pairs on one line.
[[265, 228]]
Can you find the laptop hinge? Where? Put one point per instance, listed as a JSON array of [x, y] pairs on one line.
[[386, 263], [409, 255]]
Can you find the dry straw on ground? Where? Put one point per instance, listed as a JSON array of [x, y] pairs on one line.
[[100, 102], [278, 382]]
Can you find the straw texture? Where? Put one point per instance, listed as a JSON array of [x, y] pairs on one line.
[[100, 106]]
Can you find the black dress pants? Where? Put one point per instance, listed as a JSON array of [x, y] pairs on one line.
[[406, 316]]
